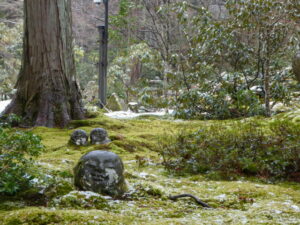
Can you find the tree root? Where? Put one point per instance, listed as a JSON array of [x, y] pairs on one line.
[[175, 197]]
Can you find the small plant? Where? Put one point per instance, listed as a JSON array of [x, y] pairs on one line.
[[17, 150], [11, 120]]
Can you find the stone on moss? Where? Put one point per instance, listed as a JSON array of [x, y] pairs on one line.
[[79, 137], [100, 172], [99, 136]]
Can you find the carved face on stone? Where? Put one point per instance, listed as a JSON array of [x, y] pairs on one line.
[[100, 172], [99, 136], [79, 137]]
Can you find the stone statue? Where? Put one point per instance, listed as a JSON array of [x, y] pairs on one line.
[[79, 137], [99, 136], [100, 172]]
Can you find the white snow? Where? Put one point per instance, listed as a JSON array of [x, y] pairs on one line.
[[221, 197], [296, 208], [143, 175], [3, 105], [115, 115], [132, 115]]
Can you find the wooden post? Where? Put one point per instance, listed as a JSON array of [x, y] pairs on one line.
[[103, 31], [102, 68]]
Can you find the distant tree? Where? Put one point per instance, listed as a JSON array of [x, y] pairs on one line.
[[269, 28], [47, 92], [296, 66]]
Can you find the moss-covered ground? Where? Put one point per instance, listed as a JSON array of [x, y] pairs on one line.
[[242, 201]]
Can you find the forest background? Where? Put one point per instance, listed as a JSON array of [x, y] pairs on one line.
[[205, 59]]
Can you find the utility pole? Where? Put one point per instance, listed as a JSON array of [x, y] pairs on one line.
[[103, 62]]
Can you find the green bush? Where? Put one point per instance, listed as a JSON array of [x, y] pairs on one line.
[[17, 149], [8, 121], [242, 148]]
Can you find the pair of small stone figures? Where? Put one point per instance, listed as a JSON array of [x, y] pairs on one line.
[[98, 136], [98, 171]]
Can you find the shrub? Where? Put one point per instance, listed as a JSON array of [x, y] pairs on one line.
[[11, 120], [227, 97], [246, 148], [17, 149]]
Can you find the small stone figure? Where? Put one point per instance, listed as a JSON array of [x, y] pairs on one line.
[[99, 136], [100, 172], [79, 137]]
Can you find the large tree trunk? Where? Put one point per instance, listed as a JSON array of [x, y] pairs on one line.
[[47, 92]]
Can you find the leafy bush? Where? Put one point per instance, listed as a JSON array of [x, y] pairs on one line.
[[11, 120], [245, 148], [252, 45], [17, 149], [227, 97]]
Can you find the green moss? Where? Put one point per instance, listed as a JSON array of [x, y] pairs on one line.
[[245, 200], [133, 144], [142, 190], [81, 200], [43, 216], [100, 121], [59, 188]]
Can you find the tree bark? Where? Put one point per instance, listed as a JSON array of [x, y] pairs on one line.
[[47, 91], [296, 66]]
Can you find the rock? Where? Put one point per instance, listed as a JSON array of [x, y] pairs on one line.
[[113, 103], [100, 172], [296, 66], [258, 90], [133, 106], [79, 137], [99, 136], [280, 107], [142, 109]]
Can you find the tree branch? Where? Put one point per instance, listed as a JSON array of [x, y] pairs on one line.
[[175, 197]]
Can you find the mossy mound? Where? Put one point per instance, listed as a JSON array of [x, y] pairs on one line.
[[81, 200], [145, 190]]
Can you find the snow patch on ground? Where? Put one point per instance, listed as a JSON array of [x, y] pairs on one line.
[[115, 115], [132, 115], [3, 105]]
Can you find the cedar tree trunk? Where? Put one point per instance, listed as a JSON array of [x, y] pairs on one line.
[[296, 65], [47, 91]]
